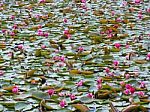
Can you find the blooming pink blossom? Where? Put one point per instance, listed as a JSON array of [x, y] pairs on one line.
[[72, 96], [117, 45], [42, 1], [107, 70], [115, 63], [15, 26], [51, 92], [80, 83], [99, 86], [122, 83], [99, 80], [90, 95], [142, 84], [12, 34], [137, 1], [1, 72], [62, 103], [12, 17], [15, 89], [65, 20], [43, 46], [132, 90], [20, 46], [148, 10], [80, 49], [148, 56], [126, 92], [45, 34], [112, 13], [127, 76], [62, 58], [83, 1], [141, 93], [128, 86], [4, 30]]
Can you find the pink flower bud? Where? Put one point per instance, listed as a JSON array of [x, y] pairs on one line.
[[72, 96], [122, 83], [141, 93], [99, 86], [80, 83], [80, 49], [137, 1], [107, 70], [142, 84], [65, 20], [62, 103], [117, 45], [43, 46], [99, 80], [90, 95], [20, 46], [126, 92], [51, 92], [15, 89], [127, 76], [1, 73], [115, 63]]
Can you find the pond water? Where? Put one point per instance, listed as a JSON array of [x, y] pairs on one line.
[[72, 55]]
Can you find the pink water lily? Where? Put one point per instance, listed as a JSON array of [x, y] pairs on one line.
[[65, 20], [137, 1], [90, 95], [20, 46], [148, 56], [80, 83], [127, 76], [83, 1], [126, 92], [115, 63], [142, 84], [80, 49], [72, 96], [99, 86], [62, 103], [51, 92], [43, 46], [141, 93], [1, 73], [99, 80], [107, 70], [117, 45], [15, 89]]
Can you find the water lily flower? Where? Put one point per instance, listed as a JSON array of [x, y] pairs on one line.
[[4, 30], [124, 3], [99, 80], [43, 46], [62, 103], [83, 1], [148, 10], [15, 89], [141, 93], [45, 34], [142, 84], [51, 92], [72, 96], [140, 15], [122, 83], [127, 76], [15, 26], [118, 20], [12, 17], [107, 70], [117, 45], [126, 92], [1, 73], [137, 1], [65, 20], [128, 86], [42, 1], [99, 86], [113, 13], [12, 34], [80, 83], [90, 95], [132, 90], [62, 58], [80, 49], [20, 46], [148, 56], [115, 63]]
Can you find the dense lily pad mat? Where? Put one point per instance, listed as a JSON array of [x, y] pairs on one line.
[[73, 55]]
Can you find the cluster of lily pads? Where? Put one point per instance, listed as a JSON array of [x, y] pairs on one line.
[[75, 55]]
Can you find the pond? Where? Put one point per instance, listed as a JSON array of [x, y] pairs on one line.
[[75, 55]]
